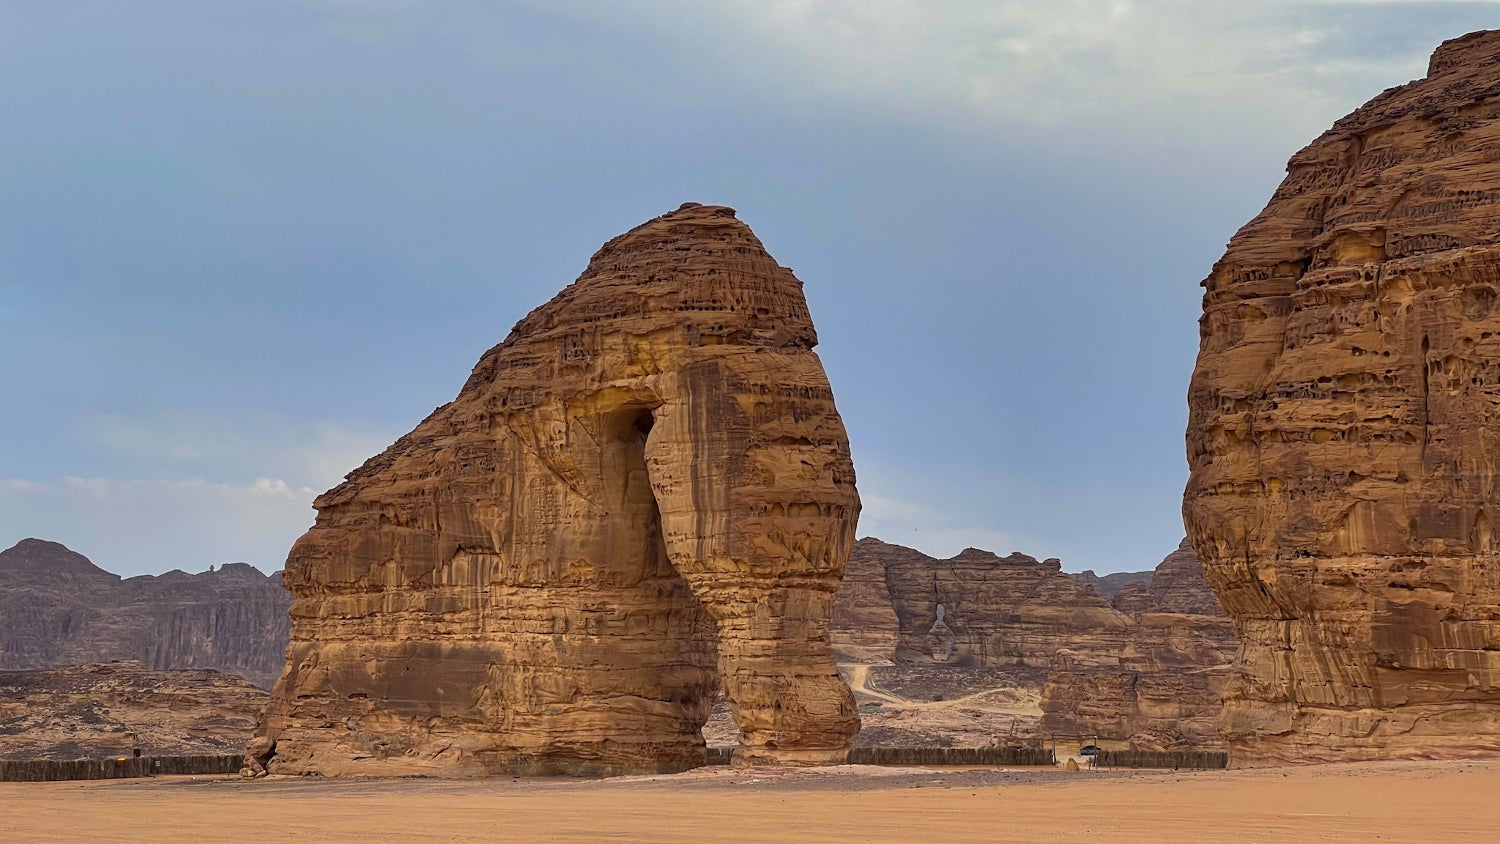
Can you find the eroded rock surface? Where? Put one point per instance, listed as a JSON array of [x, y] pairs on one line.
[[114, 709], [864, 628], [643, 494], [982, 610], [1166, 691], [58, 608], [1110, 585], [1343, 438]]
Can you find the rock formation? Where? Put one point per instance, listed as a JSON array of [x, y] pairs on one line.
[[1110, 585], [1343, 438], [1178, 585], [1166, 691], [58, 608], [644, 493], [981, 610], [97, 711], [864, 627]]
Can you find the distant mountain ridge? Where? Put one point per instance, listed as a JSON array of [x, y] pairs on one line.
[[58, 608], [1109, 585]]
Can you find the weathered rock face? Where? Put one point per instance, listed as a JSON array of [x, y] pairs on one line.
[[981, 610], [1133, 599], [1110, 585], [1178, 585], [645, 492], [58, 608], [1166, 691], [96, 711], [864, 627], [1343, 438]]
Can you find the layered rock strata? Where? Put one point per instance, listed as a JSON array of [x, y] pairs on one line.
[[98, 711], [58, 608], [1166, 691], [1110, 585], [643, 494], [864, 627], [1343, 438], [982, 610]]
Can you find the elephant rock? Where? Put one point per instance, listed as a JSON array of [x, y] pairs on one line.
[[642, 496]]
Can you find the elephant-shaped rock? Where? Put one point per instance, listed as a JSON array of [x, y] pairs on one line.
[[642, 497]]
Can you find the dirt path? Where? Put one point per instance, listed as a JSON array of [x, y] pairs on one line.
[[858, 678], [859, 683], [1390, 802]]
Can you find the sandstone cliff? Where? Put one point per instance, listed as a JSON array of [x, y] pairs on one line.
[[1166, 691], [864, 627], [1343, 439], [644, 494], [58, 608], [97, 711], [981, 610], [1110, 585]]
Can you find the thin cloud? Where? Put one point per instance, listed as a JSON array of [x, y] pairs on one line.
[[146, 526], [1245, 73], [925, 528], [312, 453]]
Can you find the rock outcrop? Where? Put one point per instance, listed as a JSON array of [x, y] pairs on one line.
[[58, 608], [1343, 439], [1110, 585], [643, 494], [864, 628], [981, 610], [98, 711], [1166, 691], [1178, 585]]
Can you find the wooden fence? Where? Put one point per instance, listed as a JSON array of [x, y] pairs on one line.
[[922, 756], [1162, 759], [55, 770]]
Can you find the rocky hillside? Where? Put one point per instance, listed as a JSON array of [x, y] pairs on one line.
[[1110, 584], [97, 711], [977, 610], [58, 608], [981, 648], [1167, 691]]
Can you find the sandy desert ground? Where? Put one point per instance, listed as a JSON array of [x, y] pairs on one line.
[[1425, 801]]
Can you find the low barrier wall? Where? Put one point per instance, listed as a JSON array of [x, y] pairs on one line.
[[56, 770], [927, 756], [1206, 759]]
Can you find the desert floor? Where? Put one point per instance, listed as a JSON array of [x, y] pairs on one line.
[[1404, 801]]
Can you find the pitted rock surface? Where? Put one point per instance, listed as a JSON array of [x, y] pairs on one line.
[[642, 495], [1343, 435]]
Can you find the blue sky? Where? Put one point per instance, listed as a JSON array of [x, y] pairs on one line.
[[245, 246]]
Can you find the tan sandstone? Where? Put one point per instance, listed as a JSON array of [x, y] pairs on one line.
[[1166, 693], [1343, 438], [118, 708], [982, 610], [643, 495]]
